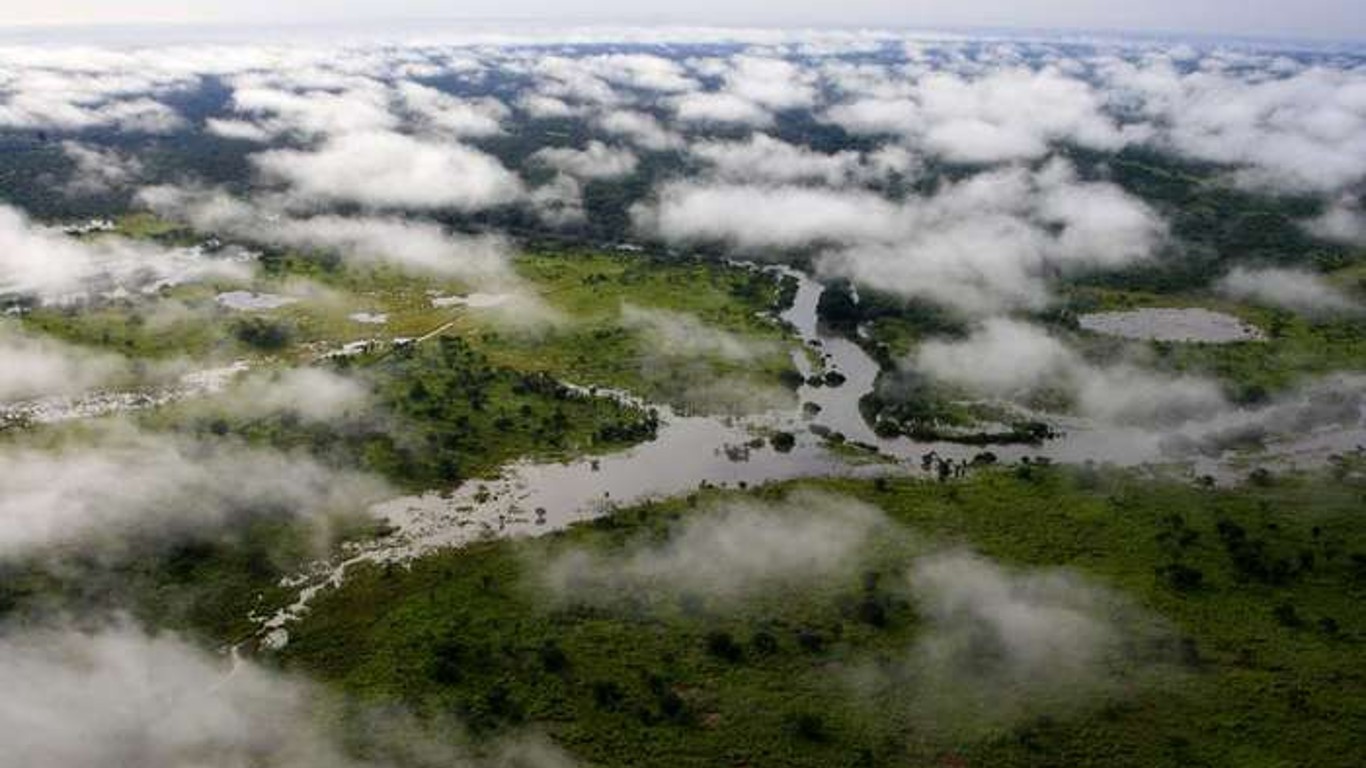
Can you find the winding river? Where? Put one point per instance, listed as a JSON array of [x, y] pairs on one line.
[[690, 451]]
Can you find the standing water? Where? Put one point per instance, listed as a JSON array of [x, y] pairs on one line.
[[689, 452]]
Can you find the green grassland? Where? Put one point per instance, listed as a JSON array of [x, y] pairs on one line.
[[594, 348], [457, 406], [438, 413], [583, 340], [1296, 348], [1267, 671], [206, 585]]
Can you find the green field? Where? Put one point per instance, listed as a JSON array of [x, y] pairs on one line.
[[1259, 658], [577, 334]]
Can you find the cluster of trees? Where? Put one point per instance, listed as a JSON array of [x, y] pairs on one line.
[[441, 413], [1215, 225]]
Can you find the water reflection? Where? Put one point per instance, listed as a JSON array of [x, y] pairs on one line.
[[696, 451]]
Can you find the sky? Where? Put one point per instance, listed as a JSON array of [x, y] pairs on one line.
[[1328, 19]]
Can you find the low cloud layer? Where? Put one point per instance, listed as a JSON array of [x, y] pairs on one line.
[[1002, 643], [415, 245], [121, 697], [390, 170], [687, 359], [313, 394], [1011, 114], [1273, 120], [38, 366], [55, 267], [595, 161], [736, 550], [1292, 289], [682, 334], [764, 158], [978, 245], [1325, 415], [117, 695], [96, 170], [124, 484], [1302, 129], [1343, 222], [1010, 359]]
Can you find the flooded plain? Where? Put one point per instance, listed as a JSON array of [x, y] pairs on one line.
[[248, 301], [59, 408], [1187, 324], [692, 452]]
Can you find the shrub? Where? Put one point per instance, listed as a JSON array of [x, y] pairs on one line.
[[553, 659], [723, 646], [263, 334], [783, 441], [764, 643], [809, 726]]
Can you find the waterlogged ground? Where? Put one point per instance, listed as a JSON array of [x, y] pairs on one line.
[[59, 408], [602, 322], [692, 451], [1187, 324], [248, 301], [441, 606]]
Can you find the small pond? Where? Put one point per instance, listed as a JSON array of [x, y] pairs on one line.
[[1172, 324]]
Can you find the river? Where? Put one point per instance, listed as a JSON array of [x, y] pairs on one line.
[[689, 451]]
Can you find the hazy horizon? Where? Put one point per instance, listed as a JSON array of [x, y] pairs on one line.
[[1322, 20]]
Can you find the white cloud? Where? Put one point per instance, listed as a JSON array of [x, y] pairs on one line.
[[642, 71], [1005, 358], [1000, 644], [59, 268], [77, 699], [1011, 114], [279, 111], [980, 244], [764, 158], [873, 116], [771, 83], [540, 106], [1006, 114], [1293, 289], [99, 170], [115, 694], [731, 552], [36, 366], [720, 108], [595, 161], [757, 217], [643, 129], [682, 334], [241, 130], [559, 202], [990, 242], [314, 394], [123, 484], [34, 96], [569, 79], [687, 362], [415, 245], [451, 116], [1305, 131], [390, 170], [1343, 222]]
